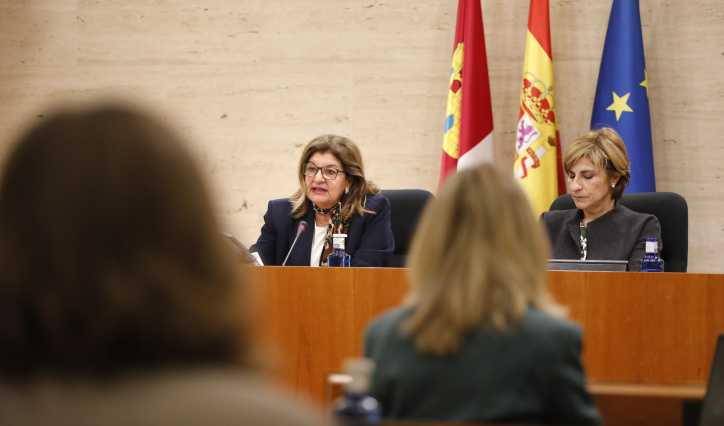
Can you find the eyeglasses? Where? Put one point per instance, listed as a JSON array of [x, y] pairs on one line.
[[329, 173]]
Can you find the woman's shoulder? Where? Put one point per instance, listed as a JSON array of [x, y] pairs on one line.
[[376, 199], [235, 398], [627, 212], [556, 216], [280, 202], [634, 218], [376, 203], [280, 206], [549, 330], [389, 320]]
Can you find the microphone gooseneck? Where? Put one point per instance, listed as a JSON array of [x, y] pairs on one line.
[[302, 226]]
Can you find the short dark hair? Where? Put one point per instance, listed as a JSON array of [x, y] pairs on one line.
[[110, 256]]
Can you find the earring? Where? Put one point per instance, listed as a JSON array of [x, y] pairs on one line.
[[613, 185], [346, 190]]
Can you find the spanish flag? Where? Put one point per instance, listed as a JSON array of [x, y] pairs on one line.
[[468, 138], [537, 146]]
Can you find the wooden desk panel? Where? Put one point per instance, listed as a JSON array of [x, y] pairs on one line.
[[639, 328], [311, 319], [645, 328]]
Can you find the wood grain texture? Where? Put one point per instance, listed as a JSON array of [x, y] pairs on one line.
[[313, 321], [644, 328], [648, 338]]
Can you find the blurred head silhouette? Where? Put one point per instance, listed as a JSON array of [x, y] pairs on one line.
[[478, 258], [110, 255]]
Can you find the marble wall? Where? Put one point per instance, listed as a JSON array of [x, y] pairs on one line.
[[250, 82]]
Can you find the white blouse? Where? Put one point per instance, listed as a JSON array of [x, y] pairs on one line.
[[320, 234]]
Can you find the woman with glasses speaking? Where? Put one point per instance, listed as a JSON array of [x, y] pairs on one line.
[[334, 197]]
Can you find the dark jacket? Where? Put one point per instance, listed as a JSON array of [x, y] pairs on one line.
[[619, 234], [533, 375], [369, 237]]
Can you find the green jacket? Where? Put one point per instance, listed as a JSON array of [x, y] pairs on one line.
[[531, 376]]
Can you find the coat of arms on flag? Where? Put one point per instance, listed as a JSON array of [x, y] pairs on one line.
[[537, 151]]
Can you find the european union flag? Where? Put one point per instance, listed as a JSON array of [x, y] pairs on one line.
[[622, 95]]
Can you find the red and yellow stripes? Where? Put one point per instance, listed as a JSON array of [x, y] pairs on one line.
[[538, 157], [468, 137]]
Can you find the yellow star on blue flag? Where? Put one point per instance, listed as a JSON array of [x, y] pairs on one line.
[[619, 105]]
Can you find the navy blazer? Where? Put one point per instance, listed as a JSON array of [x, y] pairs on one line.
[[369, 237]]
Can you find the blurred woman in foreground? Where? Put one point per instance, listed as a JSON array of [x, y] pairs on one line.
[[119, 304], [479, 338]]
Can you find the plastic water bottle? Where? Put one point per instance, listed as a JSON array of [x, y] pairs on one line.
[[652, 262], [339, 257], [357, 407]]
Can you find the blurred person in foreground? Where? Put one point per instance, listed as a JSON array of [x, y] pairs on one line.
[[599, 228], [333, 197], [119, 303], [479, 338]]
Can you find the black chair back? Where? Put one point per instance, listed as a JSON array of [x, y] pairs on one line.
[[407, 206], [673, 214]]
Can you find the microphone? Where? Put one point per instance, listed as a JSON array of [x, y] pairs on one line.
[[302, 226]]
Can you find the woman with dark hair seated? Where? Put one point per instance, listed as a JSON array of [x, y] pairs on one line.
[[333, 197], [119, 303]]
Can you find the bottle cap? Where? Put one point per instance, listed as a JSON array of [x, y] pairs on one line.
[[360, 370], [652, 245], [338, 240]]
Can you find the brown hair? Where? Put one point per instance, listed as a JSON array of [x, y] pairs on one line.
[[605, 148], [478, 258], [350, 156], [110, 256]]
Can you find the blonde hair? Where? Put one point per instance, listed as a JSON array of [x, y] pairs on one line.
[[605, 148], [478, 258], [350, 156]]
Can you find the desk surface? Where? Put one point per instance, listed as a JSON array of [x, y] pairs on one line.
[[686, 391]]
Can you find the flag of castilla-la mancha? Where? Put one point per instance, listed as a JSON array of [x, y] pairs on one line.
[[537, 146], [468, 138]]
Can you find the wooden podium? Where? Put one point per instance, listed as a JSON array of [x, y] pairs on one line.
[[648, 337]]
